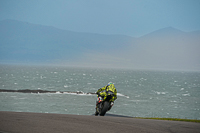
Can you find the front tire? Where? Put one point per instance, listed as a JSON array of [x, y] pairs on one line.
[[105, 108]]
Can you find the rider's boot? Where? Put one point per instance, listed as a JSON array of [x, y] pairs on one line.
[[96, 113]]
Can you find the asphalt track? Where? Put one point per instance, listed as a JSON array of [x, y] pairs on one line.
[[15, 122]]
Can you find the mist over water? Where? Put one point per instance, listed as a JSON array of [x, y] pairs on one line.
[[140, 93]]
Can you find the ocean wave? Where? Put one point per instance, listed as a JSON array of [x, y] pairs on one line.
[[119, 94], [162, 93]]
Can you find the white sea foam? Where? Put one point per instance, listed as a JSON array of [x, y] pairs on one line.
[[163, 93], [119, 94], [186, 94], [66, 86], [58, 92]]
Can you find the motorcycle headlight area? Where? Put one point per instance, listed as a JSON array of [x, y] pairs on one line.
[[110, 93]]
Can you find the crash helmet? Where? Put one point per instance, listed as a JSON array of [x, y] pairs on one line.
[[110, 83]]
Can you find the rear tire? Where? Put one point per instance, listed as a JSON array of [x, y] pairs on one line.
[[105, 108]]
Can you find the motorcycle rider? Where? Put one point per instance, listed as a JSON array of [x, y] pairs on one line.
[[103, 93]]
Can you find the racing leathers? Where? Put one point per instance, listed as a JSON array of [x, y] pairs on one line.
[[103, 92]]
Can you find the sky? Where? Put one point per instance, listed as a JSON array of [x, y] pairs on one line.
[[127, 17], [134, 18]]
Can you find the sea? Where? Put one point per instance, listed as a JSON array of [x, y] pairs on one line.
[[140, 93]]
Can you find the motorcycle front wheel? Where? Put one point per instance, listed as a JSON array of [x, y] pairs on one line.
[[104, 109]]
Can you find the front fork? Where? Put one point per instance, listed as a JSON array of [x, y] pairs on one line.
[[99, 104]]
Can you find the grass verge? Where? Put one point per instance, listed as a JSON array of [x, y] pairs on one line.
[[171, 119]]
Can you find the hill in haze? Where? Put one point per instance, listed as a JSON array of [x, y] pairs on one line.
[[168, 48], [21, 41]]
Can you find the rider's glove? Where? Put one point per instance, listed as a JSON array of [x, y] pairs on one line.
[[97, 93], [113, 98]]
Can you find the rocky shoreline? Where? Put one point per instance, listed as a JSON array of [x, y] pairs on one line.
[[45, 91]]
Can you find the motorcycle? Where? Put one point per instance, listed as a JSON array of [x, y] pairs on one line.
[[104, 105]]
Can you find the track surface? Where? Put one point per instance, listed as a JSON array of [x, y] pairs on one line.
[[15, 122]]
